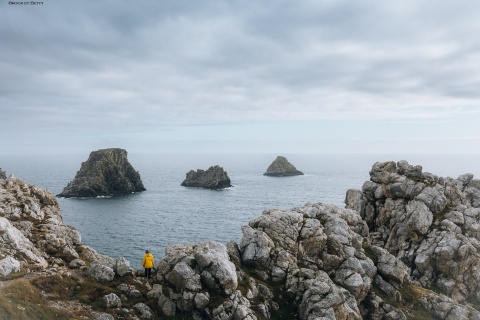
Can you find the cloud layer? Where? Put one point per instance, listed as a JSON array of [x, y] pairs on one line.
[[107, 67]]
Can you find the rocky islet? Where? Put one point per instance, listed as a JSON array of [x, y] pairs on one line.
[[107, 172], [405, 247], [280, 167], [214, 178]]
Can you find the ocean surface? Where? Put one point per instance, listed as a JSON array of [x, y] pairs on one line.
[[168, 214]]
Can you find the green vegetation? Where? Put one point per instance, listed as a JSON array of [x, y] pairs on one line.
[[410, 303], [369, 252]]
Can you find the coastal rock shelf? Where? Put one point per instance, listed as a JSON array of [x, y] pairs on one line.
[[107, 172], [405, 247], [214, 178], [280, 167]]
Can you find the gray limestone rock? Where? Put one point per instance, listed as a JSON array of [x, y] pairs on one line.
[[101, 272], [112, 301], [214, 178], [76, 264], [107, 172], [145, 312], [280, 167], [9, 265], [102, 316], [213, 259], [184, 277], [429, 223], [122, 267]]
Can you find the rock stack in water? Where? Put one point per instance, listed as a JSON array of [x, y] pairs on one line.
[[280, 167], [3, 175], [214, 178], [107, 172]]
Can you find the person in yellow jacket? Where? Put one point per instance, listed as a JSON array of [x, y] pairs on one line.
[[148, 263]]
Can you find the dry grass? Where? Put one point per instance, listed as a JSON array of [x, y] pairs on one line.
[[20, 300]]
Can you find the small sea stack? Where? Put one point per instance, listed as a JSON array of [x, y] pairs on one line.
[[107, 172], [3, 175], [214, 178], [280, 167]]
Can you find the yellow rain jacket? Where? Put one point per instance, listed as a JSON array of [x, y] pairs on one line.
[[148, 261]]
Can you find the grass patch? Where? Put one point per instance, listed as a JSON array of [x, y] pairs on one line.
[[473, 301], [20, 300], [12, 276], [410, 304], [87, 290], [369, 252]]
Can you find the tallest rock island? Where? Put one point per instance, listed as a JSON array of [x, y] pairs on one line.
[[107, 172]]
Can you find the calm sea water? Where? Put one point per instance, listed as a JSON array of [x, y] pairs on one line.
[[169, 214]]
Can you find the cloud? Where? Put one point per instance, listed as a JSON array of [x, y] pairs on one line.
[[109, 67]]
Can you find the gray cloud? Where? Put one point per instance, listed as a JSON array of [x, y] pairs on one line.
[[109, 67]]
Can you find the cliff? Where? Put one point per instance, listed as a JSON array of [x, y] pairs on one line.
[[280, 167], [405, 247], [107, 172], [214, 178]]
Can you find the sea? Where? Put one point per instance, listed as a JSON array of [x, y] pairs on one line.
[[167, 213]]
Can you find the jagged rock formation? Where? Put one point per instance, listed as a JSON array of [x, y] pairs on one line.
[[32, 231], [3, 175], [405, 247], [107, 172], [280, 167], [430, 223], [214, 178]]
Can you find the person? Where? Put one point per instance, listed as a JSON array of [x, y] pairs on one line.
[[148, 262]]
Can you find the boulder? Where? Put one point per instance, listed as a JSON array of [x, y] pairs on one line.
[[122, 267], [214, 178], [101, 272], [280, 167], [145, 312], [112, 301], [107, 172], [9, 265], [76, 264]]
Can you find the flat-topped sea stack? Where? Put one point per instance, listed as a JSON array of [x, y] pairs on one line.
[[214, 178], [280, 167], [107, 172]]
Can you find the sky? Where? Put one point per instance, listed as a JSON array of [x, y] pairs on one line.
[[237, 76]]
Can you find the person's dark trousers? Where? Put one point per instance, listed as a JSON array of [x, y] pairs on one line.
[[148, 272]]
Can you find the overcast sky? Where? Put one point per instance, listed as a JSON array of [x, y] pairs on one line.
[[240, 76]]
